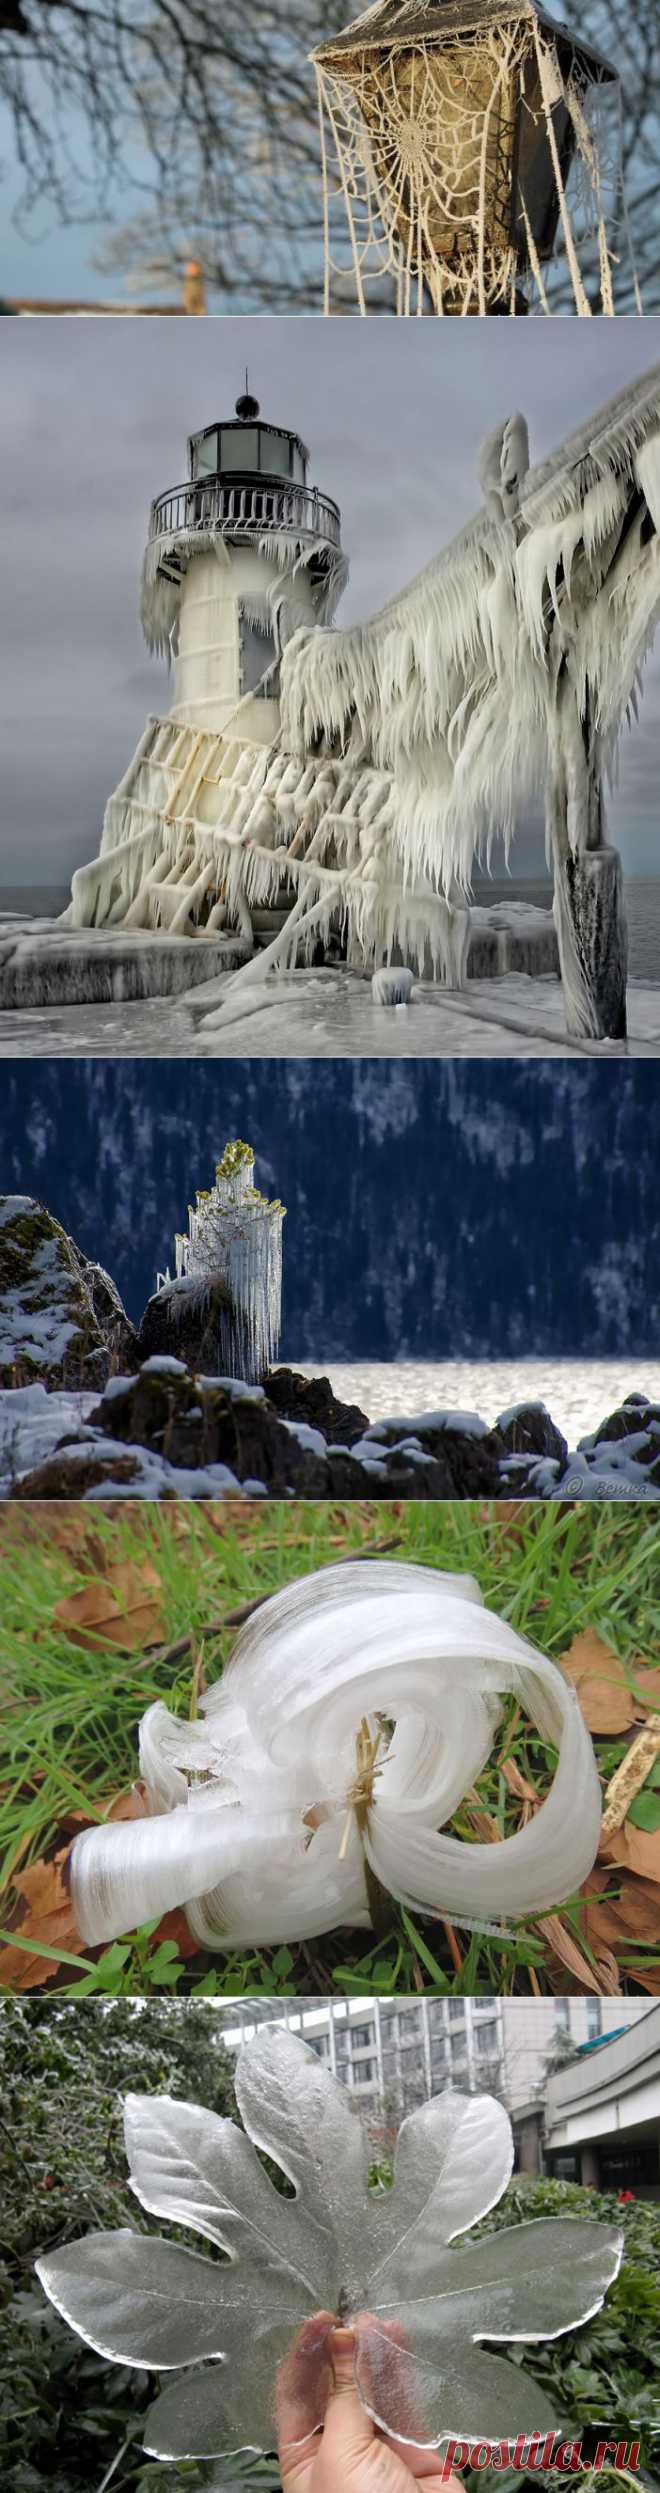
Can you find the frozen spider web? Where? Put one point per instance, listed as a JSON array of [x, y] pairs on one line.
[[255, 2325], [422, 208]]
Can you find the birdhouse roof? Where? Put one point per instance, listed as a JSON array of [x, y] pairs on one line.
[[398, 22]]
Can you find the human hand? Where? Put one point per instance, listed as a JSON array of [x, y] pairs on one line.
[[349, 2450]]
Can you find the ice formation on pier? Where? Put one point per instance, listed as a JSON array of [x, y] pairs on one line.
[[235, 1236], [410, 741]]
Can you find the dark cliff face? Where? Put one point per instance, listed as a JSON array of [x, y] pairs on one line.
[[433, 1210]]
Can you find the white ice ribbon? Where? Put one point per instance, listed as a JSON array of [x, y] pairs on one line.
[[358, 1708]]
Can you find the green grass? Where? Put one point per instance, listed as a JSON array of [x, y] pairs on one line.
[[70, 1716]]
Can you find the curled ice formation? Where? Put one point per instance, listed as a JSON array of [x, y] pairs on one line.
[[358, 1707]]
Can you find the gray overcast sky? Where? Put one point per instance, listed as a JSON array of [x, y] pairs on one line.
[[94, 416]]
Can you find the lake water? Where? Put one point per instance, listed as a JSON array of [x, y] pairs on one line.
[[642, 909], [642, 903], [579, 1393]]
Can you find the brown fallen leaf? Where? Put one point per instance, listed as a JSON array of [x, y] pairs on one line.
[[510, 1519], [518, 1783], [123, 1609], [565, 1947], [637, 1849], [647, 1681], [45, 1913], [617, 1906], [599, 1680], [46, 1918]]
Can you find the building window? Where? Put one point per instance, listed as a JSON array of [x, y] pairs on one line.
[[362, 2037], [205, 456], [257, 658], [594, 2019], [239, 447]]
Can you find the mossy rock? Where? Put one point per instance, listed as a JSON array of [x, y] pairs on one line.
[[61, 1320]]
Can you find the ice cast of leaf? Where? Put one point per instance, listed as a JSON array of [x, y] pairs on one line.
[[384, 2258], [359, 1706]]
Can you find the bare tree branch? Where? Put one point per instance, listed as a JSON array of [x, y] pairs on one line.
[[210, 114]]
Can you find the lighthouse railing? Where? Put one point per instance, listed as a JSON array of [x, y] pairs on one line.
[[245, 509]]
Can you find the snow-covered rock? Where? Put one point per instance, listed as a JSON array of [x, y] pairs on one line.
[[167, 1433], [61, 1318]]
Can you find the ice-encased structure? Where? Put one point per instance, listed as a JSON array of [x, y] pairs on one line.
[[407, 742], [463, 147], [234, 1236]]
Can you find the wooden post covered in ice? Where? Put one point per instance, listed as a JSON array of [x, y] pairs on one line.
[[588, 903]]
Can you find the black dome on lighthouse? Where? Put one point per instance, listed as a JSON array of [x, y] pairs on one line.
[[247, 407]]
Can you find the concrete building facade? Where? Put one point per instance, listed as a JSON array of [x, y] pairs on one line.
[[392, 2054], [602, 2113]]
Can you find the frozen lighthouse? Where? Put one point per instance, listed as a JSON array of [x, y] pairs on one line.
[[238, 558], [319, 797]]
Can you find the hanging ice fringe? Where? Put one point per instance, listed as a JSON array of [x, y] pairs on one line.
[[464, 147], [234, 1236], [387, 2261], [358, 1708], [410, 741]]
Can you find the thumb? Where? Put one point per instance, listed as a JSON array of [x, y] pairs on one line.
[[348, 2431]]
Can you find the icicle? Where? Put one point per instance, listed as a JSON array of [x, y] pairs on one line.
[[235, 1236]]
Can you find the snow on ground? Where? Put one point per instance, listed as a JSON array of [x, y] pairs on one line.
[[328, 1013]]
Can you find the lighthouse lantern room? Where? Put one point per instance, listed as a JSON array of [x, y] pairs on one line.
[[237, 559]]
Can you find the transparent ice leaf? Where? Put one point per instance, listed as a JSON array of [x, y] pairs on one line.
[[534, 2281], [148, 2303], [453, 2159], [457, 2391], [301, 2117], [419, 2307], [201, 2172], [194, 2418]]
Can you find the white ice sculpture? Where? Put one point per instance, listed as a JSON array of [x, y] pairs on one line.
[[234, 1236], [357, 1709], [410, 741], [336, 2247]]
